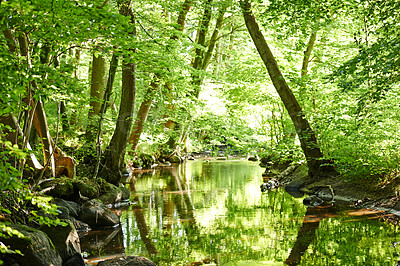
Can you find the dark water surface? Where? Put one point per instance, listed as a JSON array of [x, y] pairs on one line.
[[213, 213]]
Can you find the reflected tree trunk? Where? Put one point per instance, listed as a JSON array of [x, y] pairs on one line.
[[144, 230], [184, 206], [306, 234]]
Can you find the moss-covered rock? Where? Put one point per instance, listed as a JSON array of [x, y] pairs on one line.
[[113, 194], [36, 247], [63, 188], [88, 188]]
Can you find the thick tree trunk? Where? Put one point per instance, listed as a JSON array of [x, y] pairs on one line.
[[142, 114], [115, 152], [306, 135]]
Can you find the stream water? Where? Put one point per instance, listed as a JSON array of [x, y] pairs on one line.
[[213, 213]]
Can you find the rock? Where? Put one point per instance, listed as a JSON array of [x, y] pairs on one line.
[[114, 194], [313, 201], [64, 238], [79, 225], [269, 185], [96, 214], [68, 208], [127, 261], [293, 188], [126, 193], [175, 159], [253, 158], [63, 188], [222, 158], [326, 193], [87, 188], [35, 246], [75, 260]]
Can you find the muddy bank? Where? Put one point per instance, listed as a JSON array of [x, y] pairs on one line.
[[335, 189]]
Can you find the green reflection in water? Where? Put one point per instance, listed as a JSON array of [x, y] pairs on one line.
[[214, 213]]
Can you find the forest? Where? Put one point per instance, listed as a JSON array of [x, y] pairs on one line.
[[91, 89]]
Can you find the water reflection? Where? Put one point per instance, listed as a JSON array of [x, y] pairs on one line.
[[214, 213]]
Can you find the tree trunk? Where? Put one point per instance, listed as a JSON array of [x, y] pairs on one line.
[[213, 40], [307, 53], [306, 135], [182, 16], [201, 40], [115, 152], [96, 94], [142, 114]]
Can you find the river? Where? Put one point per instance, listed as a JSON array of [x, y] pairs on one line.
[[213, 213]]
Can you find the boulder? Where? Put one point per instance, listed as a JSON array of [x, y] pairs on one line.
[[87, 188], [128, 261], [175, 159], [67, 208], [75, 260], [96, 214], [63, 188], [253, 158], [293, 188], [35, 246], [79, 225], [312, 201], [113, 194], [269, 185], [65, 239]]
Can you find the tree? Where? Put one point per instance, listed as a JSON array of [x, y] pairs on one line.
[[305, 133], [114, 154], [97, 86]]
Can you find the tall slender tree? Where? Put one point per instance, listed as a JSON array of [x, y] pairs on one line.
[[308, 140]]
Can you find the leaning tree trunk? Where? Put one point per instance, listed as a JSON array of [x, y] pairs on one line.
[[305, 133], [142, 114], [115, 152]]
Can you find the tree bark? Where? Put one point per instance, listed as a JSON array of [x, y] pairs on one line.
[[304, 131], [142, 114], [96, 94], [182, 16], [115, 152], [307, 53], [213, 40], [201, 40]]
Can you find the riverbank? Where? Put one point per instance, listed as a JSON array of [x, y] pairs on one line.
[[362, 193]]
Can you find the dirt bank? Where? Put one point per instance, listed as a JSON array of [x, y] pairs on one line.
[[364, 193]]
